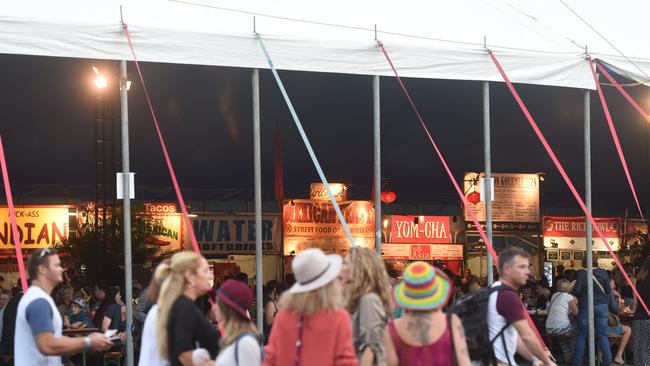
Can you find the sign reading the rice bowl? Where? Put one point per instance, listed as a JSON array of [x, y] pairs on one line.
[[38, 226], [516, 197], [569, 233], [312, 223]]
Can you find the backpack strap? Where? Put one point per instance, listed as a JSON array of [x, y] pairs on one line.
[[237, 344], [454, 361]]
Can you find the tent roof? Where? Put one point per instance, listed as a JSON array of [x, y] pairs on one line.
[[537, 42]]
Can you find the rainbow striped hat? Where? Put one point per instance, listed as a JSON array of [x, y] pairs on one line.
[[422, 288]]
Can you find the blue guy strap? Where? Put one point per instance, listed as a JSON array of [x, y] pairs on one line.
[[307, 144]]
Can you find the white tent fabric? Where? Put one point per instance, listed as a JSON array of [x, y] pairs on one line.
[[537, 42]]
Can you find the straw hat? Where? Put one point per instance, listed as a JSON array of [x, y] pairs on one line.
[[422, 288], [314, 269], [237, 295]]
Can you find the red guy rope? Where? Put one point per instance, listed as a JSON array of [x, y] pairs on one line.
[[617, 142], [179, 195], [12, 218], [466, 203], [566, 178], [622, 91]]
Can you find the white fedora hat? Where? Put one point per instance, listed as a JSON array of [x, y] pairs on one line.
[[313, 269]]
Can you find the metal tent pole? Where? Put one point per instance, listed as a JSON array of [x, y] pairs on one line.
[[488, 176], [258, 198], [126, 229], [590, 289], [377, 161]]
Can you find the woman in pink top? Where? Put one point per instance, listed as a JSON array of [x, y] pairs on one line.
[[312, 328], [425, 335]]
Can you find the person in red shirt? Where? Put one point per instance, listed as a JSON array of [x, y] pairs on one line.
[[312, 328]]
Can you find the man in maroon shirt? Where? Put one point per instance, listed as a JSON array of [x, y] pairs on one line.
[[506, 319]]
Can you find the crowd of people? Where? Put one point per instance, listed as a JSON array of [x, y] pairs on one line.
[[339, 311]]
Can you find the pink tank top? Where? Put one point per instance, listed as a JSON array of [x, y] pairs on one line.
[[438, 353]]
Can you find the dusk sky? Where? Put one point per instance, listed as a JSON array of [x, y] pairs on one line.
[[47, 107]]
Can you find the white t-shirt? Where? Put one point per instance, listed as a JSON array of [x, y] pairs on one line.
[[36, 314], [248, 351], [558, 312], [149, 352]]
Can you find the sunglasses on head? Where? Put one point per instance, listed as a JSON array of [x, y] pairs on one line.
[[44, 252]]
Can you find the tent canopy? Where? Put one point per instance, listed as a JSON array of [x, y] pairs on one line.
[[539, 43]]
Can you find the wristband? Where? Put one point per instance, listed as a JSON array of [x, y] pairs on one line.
[[534, 360], [87, 343]]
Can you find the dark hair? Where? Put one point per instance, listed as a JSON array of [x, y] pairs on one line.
[[269, 288], [508, 255], [109, 300], [39, 257], [594, 256], [644, 270]]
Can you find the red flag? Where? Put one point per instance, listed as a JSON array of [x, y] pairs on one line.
[[279, 181]]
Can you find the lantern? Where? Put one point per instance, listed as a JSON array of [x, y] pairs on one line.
[[388, 197], [474, 197]]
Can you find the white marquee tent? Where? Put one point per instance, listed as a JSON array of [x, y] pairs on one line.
[[538, 42]]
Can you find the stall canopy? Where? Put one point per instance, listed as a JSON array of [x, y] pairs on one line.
[[539, 42]]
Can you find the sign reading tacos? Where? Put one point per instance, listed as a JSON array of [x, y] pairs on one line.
[[38, 226]]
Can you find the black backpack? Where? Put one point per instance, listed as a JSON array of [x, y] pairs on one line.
[[472, 309]]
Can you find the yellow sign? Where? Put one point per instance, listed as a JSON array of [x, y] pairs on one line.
[[38, 226]]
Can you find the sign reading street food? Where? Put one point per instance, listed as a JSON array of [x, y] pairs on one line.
[[234, 233], [307, 220], [422, 251], [570, 232], [38, 226], [516, 197], [420, 229]]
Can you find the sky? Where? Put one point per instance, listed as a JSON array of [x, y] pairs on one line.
[[47, 111]]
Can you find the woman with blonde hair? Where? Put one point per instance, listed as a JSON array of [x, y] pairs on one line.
[[312, 327], [367, 297], [562, 308], [180, 325], [239, 341], [149, 352]]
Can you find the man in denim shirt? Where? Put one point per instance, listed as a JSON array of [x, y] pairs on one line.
[[601, 310]]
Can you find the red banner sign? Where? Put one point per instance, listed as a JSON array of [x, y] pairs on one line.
[[420, 229], [570, 232]]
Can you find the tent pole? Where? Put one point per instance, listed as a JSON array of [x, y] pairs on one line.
[[590, 289], [377, 161], [259, 279], [488, 176], [126, 229]]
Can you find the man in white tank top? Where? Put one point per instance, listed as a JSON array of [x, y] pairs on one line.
[[38, 339], [507, 322]]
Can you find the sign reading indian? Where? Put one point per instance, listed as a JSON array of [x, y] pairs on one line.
[[570, 232], [420, 229], [38, 226]]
